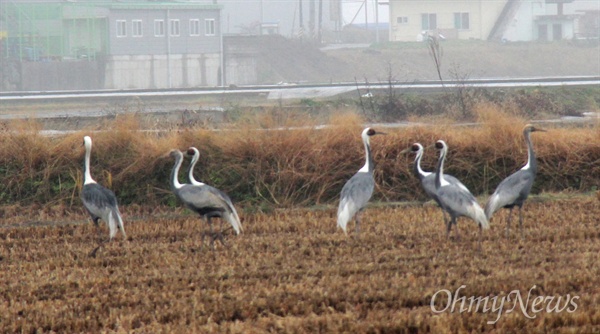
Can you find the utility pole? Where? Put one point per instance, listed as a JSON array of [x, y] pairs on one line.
[[320, 25], [366, 18], [311, 18], [301, 19], [376, 21]]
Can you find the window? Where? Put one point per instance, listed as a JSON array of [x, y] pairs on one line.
[[209, 27], [159, 28], [461, 20], [428, 21], [121, 28], [194, 27], [136, 28], [402, 20], [174, 31]]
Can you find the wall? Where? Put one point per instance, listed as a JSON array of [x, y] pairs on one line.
[[482, 16], [155, 71], [148, 43], [41, 76]]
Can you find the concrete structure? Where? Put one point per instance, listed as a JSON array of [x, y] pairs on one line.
[[124, 45], [507, 20], [163, 46]]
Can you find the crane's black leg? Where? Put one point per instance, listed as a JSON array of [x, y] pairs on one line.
[[480, 236], [444, 215], [449, 227], [203, 235], [100, 240], [212, 235], [358, 222], [456, 230], [219, 234], [508, 221], [521, 220]]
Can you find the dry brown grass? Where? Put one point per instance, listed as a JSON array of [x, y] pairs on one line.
[[287, 168], [293, 271]]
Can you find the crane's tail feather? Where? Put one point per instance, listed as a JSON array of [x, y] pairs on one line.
[[112, 225], [117, 223], [492, 206], [234, 220], [343, 217], [481, 218]]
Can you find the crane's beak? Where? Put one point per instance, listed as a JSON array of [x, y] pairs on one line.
[[406, 150], [538, 129], [380, 133]]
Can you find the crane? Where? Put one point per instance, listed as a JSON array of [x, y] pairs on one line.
[[358, 190], [456, 200], [205, 200], [195, 155], [100, 202], [514, 190], [428, 178]]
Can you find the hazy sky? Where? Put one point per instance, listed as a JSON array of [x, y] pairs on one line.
[[356, 8]]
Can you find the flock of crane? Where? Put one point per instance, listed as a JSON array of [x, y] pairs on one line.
[[448, 192]]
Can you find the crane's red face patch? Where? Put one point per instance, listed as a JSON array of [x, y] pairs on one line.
[[439, 145], [371, 132], [191, 152], [415, 148]]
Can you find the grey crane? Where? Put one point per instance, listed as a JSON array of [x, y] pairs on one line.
[[100, 202], [205, 200], [456, 200], [514, 190], [428, 178], [195, 155], [358, 190]]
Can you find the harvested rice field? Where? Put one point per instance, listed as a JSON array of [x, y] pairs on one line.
[[293, 271]]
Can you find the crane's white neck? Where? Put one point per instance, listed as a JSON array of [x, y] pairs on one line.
[[368, 167], [440, 181], [175, 172], [193, 180], [530, 152], [420, 172], [87, 178]]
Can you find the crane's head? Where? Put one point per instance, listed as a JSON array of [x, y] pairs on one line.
[[87, 141], [192, 152], [415, 148], [175, 153], [531, 128], [441, 145], [369, 132]]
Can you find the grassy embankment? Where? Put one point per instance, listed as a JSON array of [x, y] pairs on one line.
[[287, 168]]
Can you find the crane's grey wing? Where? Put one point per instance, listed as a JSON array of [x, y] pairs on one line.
[[452, 180], [355, 195], [198, 197], [232, 215], [206, 199], [459, 202], [98, 199], [428, 184], [512, 190]]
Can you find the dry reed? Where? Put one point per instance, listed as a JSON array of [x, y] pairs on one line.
[[281, 161]]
